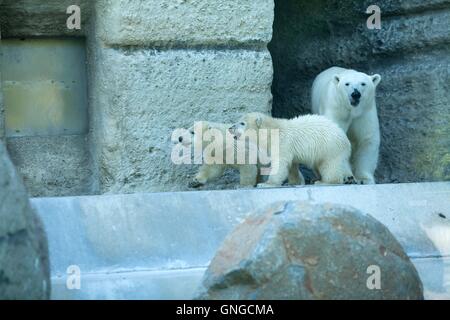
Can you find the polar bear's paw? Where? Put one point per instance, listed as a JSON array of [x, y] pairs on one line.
[[366, 181], [350, 180], [195, 184], [265, 185]]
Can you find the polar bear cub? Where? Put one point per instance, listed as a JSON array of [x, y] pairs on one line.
[[311, 140], [209, 170], [347, 97], [249, 169]]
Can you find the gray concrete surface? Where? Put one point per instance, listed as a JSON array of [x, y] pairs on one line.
[[411, 52], [161, 65], [169, 23], [52, 165], [44, 86], [137, 236]]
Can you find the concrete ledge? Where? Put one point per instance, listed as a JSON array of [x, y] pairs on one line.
[[184, 22], [180, 231]]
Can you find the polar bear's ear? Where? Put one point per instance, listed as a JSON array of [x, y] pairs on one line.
[[376, 78], [336, 79]]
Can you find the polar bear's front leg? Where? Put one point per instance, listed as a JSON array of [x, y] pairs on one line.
[[279, 172], [206, 173], [364, 134], [364, 161]]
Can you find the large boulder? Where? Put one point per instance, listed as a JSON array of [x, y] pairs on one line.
[[24, 267], [303, 250]]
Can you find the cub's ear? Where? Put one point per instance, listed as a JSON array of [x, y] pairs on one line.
[[336, 79], [259, 121], [376, 78]]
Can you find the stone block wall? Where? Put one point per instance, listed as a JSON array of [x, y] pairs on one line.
[[161, 65], [154, 66], [411, 52]]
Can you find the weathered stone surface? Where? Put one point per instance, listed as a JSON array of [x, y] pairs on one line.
[[26, 18], [2, 108], [140, 96], [53, 165], [185, 22], [411, 52], [24, 265], [303, 250]]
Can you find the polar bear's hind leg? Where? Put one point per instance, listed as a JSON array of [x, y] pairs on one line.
[[295, 176], [336, 171]]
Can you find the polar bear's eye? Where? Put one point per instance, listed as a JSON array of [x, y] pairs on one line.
[[363, 84], [347, 84], [242, 124]]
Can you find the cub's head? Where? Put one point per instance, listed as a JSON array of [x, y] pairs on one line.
[[183, 136], [252, 120], [356, 87], [189, 136]]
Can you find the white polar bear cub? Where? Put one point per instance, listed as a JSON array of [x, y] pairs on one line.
[[249, 170], [211, 171], [311, 140], [347, 97]]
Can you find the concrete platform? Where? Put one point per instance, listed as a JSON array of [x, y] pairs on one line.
[[157, 245]]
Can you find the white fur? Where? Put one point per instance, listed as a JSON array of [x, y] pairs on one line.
[[331, 97], [208, 172], [311, 140]]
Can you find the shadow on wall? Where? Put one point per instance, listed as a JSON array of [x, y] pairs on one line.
[[411, 52]]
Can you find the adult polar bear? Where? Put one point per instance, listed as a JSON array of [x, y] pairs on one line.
[[348, 98]]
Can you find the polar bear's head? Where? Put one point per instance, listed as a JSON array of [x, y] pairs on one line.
[[195, 133], [183, 136], [251, 120], [356, 88]]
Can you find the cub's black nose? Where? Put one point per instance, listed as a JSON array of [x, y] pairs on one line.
[[180, 139], [356, 94]]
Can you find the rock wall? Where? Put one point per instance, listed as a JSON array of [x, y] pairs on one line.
[[161, 65], [411, 52], [156, 66]]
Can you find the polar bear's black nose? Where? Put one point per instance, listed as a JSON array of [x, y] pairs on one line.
[[356, 94], [180, 139]]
